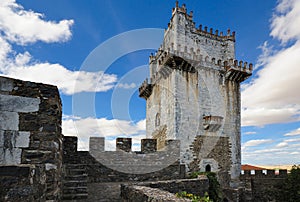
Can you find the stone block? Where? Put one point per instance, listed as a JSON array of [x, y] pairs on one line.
[[97, 144], [13, 139], [10, 156], [70, 144], [14, 171], [9, 120], [123, 144], [148, 145], [6, 84], [22, 139], [18, 104]]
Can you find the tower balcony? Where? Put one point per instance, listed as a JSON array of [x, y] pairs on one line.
[[237, 71], [212, 123], [145, 89], [173, 61]]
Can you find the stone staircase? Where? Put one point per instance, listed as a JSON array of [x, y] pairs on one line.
[[74, 185]]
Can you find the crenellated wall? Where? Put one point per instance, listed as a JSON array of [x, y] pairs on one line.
[[124, 164], [261, 184], [30, 139]]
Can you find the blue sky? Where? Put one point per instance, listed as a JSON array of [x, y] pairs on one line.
[[52, 41]]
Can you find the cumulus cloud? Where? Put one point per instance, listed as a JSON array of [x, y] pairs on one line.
[[68, 82], [21, 27], [126, 85], [272, 96], [268, 154], [285, 22], [250, 133], [293, 133], [282, 144], [84, 128], [252, 143]]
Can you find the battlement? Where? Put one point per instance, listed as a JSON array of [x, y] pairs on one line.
[[145, 89], [203, 31], [183, 10], [173, 59], [237, 70], [264, 174], [128, 161], [125, 144]]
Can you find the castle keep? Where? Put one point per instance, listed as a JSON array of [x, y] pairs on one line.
[[193, 124], [193, 95]]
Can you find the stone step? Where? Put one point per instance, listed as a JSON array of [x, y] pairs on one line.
[[77, 166], [75, 177], [75, 190], [75, 172], [75, 183], [75, 196]]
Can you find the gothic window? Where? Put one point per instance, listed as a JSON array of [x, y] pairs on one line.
[[157, 120]]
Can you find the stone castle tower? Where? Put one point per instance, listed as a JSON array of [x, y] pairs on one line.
[[193, 95]]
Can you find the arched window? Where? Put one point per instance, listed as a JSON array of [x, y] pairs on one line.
[[157, 120], [207, 168]]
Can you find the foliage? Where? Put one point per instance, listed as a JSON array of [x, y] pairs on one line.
[[290, 190], [193, 197], [214, 190], [195, 174]]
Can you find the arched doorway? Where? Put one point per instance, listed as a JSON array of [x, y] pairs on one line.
[[207, 168]]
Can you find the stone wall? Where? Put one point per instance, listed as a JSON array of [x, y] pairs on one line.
[[22, 183], [260, 185], [215, 152], [30, 131], [103, 169], [99, 172], [163, 190]]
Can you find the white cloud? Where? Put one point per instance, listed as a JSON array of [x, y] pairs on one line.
[[252, 143], [84, 128], [126, 85], [272, 96], [4, 50], [293, 133], [267, 51], [285, 23], [250, 133], [282, 144], [21, 27], [69, 82], [268, 154], [297, 140]]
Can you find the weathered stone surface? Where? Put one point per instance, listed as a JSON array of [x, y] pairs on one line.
[[98, 171], [9, 120], [18, 104], [6, 84], [10, 156], [163, 190], [22, 139], [214, 152], [135, 162], [30, 133], [22, 183]]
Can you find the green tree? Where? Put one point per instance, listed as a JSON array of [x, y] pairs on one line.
[[290, 190]]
